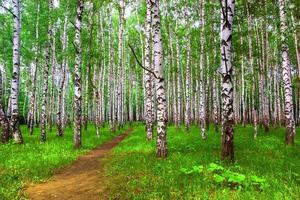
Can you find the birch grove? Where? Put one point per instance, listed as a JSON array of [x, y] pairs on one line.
[[187, 65]]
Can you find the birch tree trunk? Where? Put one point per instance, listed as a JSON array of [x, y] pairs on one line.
[[46, 74], [4, 123], [33, 85], [110, 68], [187, 88], [286, 74], [53, 69], [161, 146], [254, 112], [14, 95], [60, 131], [77, 77], [201, 85], [130, 95], [227, 151], [120, 63], [148, 77], [178, 83]]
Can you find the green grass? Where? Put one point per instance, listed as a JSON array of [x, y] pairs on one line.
[[35, 161], [135, 173]]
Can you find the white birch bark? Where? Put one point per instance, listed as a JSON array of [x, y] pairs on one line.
[[60, 131], [161, 146], [77, 77], [33, 85], [120, 61], [187, 88], [148, 76], [286, 74], [227, 151], [201, 80], [254, 111], [46, 74]]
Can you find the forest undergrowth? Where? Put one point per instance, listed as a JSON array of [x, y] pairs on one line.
[[35, 161], [265, 167]]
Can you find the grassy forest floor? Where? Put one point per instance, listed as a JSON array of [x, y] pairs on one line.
[[34, 161], [265, 168]]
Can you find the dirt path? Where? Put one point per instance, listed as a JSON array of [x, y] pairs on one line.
[[82, 180]]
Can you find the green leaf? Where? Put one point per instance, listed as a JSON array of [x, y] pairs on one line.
[[257, 179], [214, 167], [198, 169], [218, 178]]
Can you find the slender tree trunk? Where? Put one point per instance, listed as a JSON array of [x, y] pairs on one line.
[[254, 111], [178, 83], [161, 147], [148, 76], [54, 61], [77, 77], [227, 152], [175, 101], [286, 73], [120, 62], [46, 74], [110, 68], [14, 95], [4, 123], [60, 131], [187, 88], [33, 86], [201, 82], [137, 105]]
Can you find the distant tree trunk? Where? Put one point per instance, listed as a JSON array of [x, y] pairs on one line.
[[60, 131], [77, 77], [53, 69], [201, 82], [254, 111], [46, 74], [110, 68], [120, 62], [4, 123], [161, 148], [286, 73], [137, 107], [33, 84], [14, 96], [178, 83], [130, 96], [227, 151], [175, 101], [187, 88], [243, 85], [215, 104], [148, 76]]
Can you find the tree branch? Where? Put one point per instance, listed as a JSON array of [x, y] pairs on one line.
[[148, 70], [72, 24], [5, 8], [76, 49]]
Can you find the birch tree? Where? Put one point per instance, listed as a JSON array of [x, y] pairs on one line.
[[77, 77], [286, 74], [46, 74], [14, 94], [148, 76], [227, 149], [161, 146]]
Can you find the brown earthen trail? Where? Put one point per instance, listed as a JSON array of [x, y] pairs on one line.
[[82, 180]]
